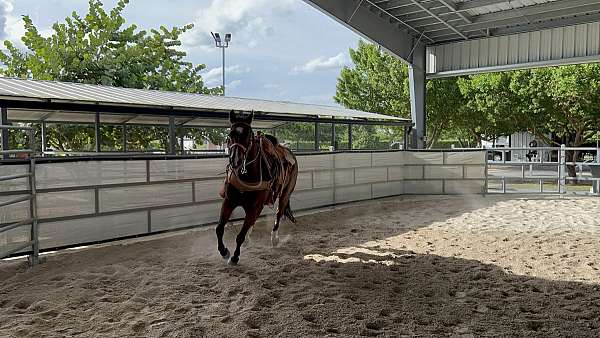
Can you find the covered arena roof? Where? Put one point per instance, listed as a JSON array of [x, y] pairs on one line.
[[472, 36], [32, 100]]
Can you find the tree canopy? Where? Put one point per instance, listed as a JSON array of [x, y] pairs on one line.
[[101, 48], [559, 105]]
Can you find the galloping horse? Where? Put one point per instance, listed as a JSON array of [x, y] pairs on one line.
[[259, 172]]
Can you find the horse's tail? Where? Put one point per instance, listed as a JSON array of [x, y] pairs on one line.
[[288, 213]]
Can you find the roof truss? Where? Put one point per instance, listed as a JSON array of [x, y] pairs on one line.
[[466, 36]]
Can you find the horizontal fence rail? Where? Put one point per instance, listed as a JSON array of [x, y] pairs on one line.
[[97, 199], [550, 165]]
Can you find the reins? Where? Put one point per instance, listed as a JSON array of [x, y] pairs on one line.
[[237, 181]]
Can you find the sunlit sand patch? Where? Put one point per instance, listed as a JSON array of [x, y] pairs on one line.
[[365, 250], [338, 259]]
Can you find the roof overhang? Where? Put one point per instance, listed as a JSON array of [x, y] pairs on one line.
[[473, 36], [61, 102]]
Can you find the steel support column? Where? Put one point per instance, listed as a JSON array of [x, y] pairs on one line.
[[418, 83], [349, 137], [97, 135], [182, 145], [43, 136], [317, 138], [124, 137], [4, 122], [333, 145], [172, 137]]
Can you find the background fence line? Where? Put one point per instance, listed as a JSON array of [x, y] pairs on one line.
[[81, 202]]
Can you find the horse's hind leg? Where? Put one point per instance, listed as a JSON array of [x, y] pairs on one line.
[[283, 201], [226, 211]]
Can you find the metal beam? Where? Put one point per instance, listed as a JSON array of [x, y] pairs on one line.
[[453, 9], [349, 137], [472, 4], [124, 137], [98, 136], [317, 137], [128, 111], [418, 83], [532, 15], [400, 21], [440, 19], [551, 47], [43, 132], [392, 33], [5, 136], [333, 136], [172, 137], [516, 66], [571, 21]]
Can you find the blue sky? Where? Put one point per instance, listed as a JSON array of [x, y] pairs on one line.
[[281, 49]]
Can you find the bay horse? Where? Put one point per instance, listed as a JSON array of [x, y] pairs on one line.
[[260, 171]]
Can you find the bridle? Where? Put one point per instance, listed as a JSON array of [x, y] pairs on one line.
[[245, 151], [233, 177]]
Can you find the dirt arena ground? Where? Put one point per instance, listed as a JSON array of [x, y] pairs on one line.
[[400, 267]]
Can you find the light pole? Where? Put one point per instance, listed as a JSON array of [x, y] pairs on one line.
[[222, 44]]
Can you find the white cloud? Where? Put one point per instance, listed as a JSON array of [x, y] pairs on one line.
[[234, 84], [212, 77], [245, 19], [12, 28], [321, 63]]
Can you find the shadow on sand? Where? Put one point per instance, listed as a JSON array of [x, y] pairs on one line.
[[324, 281]]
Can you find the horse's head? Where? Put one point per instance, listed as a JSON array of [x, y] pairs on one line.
[[240, 139]]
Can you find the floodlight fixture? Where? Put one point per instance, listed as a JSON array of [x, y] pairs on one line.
[[222, 44]]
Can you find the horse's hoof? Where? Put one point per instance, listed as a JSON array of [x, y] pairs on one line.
[[233, 260], [226, 255], [274, 240]]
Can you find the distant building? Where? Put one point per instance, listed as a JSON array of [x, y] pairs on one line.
[[521, 139]]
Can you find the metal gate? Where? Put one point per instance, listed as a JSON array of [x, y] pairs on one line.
[[543, 170], [10, 245]]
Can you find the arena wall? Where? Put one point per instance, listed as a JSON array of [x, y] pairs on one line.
[[96, 200]]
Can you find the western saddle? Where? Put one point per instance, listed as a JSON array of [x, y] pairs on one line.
[[278, 160]]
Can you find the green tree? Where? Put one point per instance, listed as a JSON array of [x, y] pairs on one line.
[[378, 82], [444, 106], [100, 48], [491, 107], [561, 105]]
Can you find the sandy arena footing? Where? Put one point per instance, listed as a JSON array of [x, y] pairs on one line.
[[408, 266]]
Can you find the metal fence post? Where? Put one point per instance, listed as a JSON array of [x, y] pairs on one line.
[[317, 140], [4, 132], [597, 182], [562, 170], [487, 187], [34, 258]]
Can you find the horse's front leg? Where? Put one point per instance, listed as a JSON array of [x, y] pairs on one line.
[[226, 211], [251, 217]]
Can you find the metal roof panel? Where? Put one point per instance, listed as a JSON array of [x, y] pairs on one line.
[[94, 94]]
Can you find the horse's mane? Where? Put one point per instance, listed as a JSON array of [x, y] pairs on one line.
[[272, 138]]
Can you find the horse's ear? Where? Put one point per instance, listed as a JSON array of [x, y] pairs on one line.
[[232, 116], [250, 117]]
